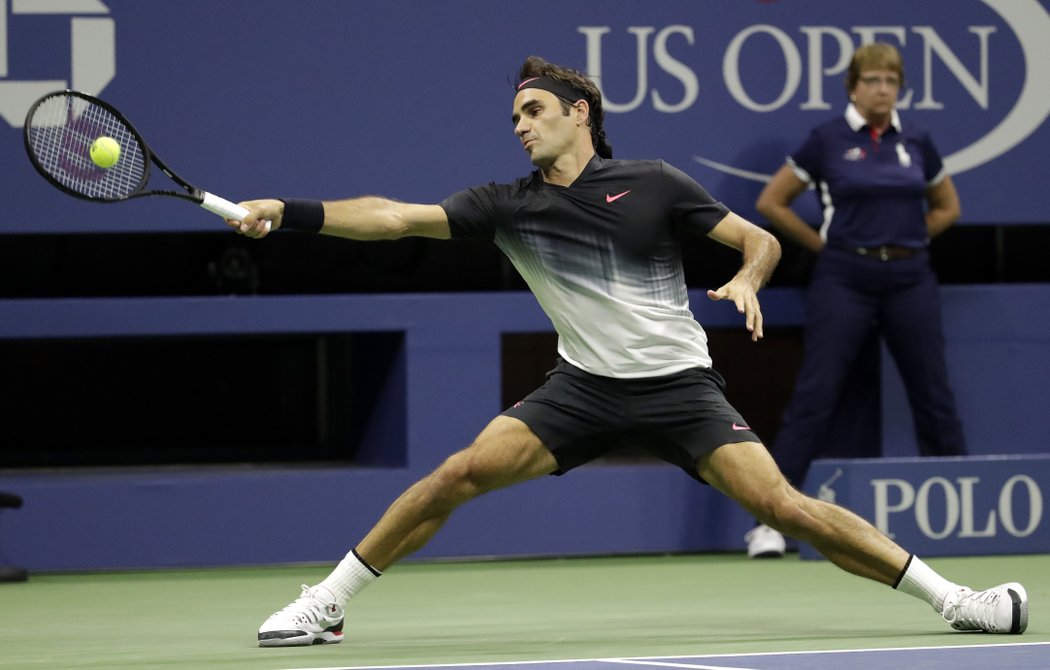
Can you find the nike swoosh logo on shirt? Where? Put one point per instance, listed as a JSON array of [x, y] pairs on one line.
[[737, 427], [614, 198]]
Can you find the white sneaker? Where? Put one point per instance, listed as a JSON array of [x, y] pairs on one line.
[[764, 542], [1002, 609], [313, 618]]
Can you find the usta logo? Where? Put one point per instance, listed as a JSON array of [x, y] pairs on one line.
[[92, 48]]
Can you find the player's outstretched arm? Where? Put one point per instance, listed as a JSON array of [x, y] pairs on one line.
[[368, 218], [761, 253]]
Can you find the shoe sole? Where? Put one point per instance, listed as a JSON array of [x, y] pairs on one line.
[[1019, 599], [768, 554], [296, 638]]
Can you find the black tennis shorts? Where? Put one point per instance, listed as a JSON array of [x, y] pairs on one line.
[[677, 418]]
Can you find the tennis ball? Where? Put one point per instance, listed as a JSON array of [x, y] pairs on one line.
[[105, 152]]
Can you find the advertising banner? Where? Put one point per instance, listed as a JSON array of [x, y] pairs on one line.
[[977, 505], [412, 99]]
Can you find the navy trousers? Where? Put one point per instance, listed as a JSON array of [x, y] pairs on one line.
[[849, 297]]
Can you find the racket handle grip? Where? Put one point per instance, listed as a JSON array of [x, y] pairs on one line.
[[223, 207]]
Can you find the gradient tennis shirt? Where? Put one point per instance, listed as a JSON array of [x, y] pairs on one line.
[[603, 259], [872, 189]]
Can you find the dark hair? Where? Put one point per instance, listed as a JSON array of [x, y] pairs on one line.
[[534, 66], [874, 56]]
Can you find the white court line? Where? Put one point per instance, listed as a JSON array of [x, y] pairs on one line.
[[473, 664], [665, 664], [667, 660]]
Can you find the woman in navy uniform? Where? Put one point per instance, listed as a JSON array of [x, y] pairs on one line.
[[884, 193]]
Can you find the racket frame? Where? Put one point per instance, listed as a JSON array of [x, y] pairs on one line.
[[208, 201]]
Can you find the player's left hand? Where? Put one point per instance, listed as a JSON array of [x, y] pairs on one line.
[[745, 297]]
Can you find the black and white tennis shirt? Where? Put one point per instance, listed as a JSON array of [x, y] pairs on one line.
[[603, 260]]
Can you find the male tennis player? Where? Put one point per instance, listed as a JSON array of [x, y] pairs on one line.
[[595, 239]]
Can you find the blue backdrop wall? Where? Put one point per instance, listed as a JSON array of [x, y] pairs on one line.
[[443, 388]]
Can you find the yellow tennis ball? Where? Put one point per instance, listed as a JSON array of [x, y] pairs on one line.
[[105, 152]]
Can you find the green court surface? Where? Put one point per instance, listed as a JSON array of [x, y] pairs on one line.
[[495, 611]]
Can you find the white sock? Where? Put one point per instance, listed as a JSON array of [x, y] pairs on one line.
[[349, 577], [919, 580]]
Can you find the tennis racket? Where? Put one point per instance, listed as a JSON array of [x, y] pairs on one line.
[[59, 131]]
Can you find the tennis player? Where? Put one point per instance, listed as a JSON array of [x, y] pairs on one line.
[[596, 241]]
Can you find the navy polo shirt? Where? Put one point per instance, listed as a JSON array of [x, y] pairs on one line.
[[872, 190]]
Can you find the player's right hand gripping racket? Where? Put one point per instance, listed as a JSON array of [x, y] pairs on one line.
[[59, 131]]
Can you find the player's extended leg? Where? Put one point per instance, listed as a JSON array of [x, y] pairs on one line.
[[747, 473], [506, 452]]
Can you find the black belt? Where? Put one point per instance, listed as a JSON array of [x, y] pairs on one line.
[[886, 252]]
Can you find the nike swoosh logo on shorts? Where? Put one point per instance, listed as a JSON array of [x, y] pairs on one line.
[[738, 427], [614, 198]]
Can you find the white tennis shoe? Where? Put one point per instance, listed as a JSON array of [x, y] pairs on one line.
[[1001, 609], [312, 618], [764, 542]]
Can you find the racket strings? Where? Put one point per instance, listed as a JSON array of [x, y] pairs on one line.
[[61, 132]]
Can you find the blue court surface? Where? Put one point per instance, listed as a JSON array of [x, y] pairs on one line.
[[1005, 656]]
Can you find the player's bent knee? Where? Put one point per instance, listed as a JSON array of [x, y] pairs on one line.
[[506, 452], [471, 472], [458, 477], [783, 509]]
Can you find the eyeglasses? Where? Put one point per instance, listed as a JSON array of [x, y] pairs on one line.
[[892, 82]]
